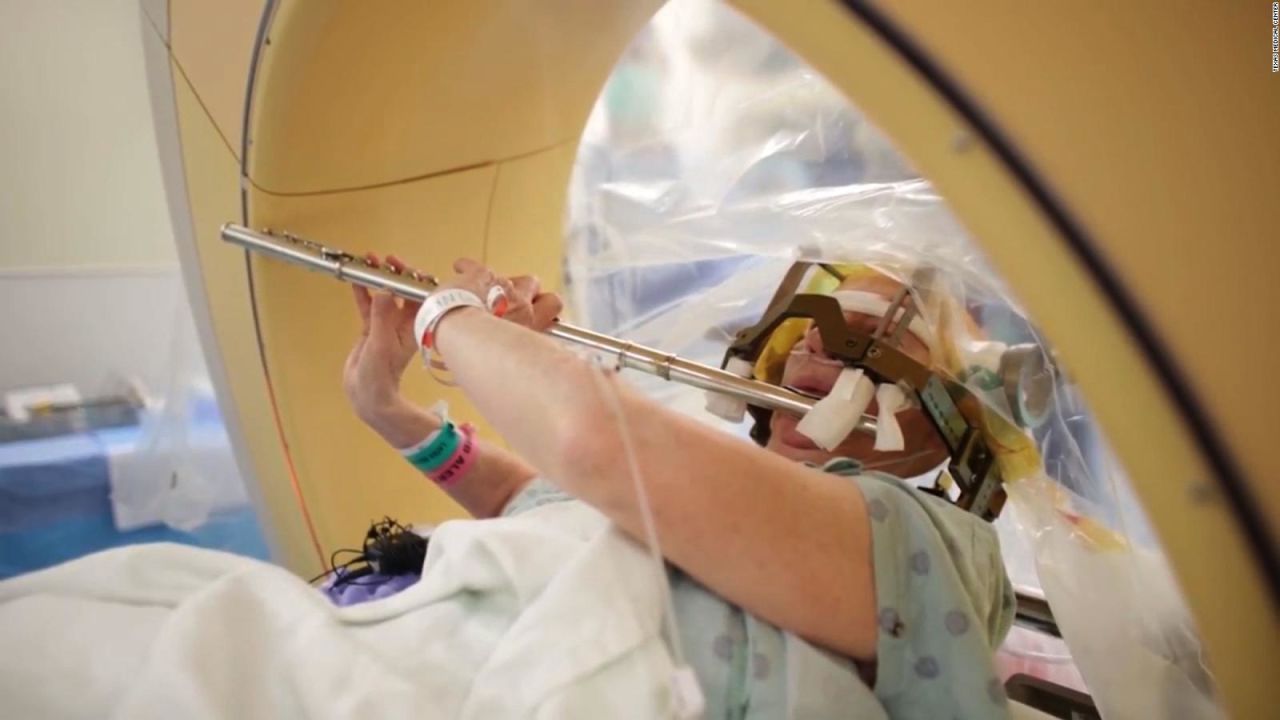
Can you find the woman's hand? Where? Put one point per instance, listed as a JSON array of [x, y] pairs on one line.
[[371, 375], [527, 305]]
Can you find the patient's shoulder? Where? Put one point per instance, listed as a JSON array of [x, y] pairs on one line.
[[881, 488], [917, 524]]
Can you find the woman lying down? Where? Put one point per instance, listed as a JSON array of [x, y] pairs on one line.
[[799, 585]]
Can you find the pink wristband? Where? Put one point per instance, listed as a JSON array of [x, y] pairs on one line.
[[458, 464]]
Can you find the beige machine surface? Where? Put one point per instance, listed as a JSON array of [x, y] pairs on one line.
[[1116, 167]]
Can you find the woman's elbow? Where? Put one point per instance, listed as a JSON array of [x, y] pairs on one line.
[[588, 446]]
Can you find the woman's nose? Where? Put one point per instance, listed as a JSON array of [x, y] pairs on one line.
[[813, 342]]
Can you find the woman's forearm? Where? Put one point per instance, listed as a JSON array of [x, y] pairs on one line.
[[487, 487], [537, 394]]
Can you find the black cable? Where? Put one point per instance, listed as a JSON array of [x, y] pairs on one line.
[[389, 548], [333, 563]]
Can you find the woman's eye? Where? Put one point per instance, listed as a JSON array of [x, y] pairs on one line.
[[861, 323]]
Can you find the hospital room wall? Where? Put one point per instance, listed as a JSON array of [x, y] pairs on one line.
[[87, 267]]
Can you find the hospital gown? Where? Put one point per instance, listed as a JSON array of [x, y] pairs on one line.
[[944, 603]]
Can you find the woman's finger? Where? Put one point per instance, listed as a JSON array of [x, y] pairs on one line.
[[383, 313], [546, 308], [472, 268], [409, 311], [526, 287], [397, 265], [363, 301]]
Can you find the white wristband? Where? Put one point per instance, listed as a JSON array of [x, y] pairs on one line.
[[435, 307]]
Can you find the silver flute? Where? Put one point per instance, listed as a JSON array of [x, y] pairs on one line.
[[418, 286]]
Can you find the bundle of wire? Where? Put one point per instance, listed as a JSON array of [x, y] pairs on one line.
[[389, 548]]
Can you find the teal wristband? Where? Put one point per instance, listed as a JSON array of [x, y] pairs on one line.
[[436, 450]]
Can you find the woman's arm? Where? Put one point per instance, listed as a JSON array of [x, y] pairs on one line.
[[789, 544], [488, 486], [371, 378]]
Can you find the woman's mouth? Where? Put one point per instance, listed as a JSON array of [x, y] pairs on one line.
[[811, 391], [784, 427]]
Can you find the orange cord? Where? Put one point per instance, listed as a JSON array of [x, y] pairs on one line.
[[293, 474]]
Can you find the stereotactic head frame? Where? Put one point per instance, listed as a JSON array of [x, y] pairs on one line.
[[952, 407]]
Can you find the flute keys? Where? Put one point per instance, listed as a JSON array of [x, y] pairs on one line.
[[335, 255]]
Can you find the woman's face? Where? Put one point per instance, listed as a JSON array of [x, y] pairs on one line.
[[810, 370]]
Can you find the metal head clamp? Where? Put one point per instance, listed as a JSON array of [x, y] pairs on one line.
[[972, 463]]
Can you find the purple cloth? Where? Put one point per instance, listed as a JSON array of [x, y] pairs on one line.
[[367, 588]]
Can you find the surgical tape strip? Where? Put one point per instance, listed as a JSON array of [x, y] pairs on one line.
[[872, 304], [889, 400], [727, 407], [836, 415]]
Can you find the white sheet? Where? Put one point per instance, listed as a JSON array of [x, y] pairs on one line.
[[549, 614]]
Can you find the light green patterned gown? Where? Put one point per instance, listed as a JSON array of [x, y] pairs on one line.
[[944, 603]]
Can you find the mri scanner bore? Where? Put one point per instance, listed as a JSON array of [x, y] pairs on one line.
[[893, 468]]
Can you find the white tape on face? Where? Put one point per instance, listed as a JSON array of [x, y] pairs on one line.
[[836, 415], [889, 400]]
